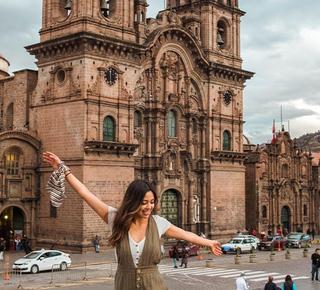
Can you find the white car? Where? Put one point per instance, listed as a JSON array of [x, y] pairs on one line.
[[244, 243], [43, 260], [250, 236]]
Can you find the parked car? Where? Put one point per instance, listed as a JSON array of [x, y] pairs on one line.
[[274, 241], [298, 240], [244, 243], [191, 248], [43, 260], [250, 236]]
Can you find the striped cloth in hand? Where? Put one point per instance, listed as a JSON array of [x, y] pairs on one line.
[[55, 186]]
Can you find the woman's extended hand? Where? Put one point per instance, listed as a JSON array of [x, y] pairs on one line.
[[215, 248], [52, 159]]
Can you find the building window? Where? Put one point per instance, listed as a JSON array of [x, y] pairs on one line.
[[305, 210], [12, 162], [264, 212], [171, 124], [108, 129], [10, 117], [226, 141], [285, 171], [53, 211], [194, 126], [137, 119]]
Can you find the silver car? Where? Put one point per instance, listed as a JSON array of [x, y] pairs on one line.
[[298, 240]]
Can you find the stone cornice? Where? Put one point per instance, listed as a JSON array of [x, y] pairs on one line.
[[109, 147], [227, 155], [84, 42]]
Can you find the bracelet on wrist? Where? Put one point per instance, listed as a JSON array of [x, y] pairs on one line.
[[68, 173]]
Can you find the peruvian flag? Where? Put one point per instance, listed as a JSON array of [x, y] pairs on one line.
[[274, 132]]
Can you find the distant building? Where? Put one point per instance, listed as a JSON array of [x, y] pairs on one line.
[[281, 187], [119, 96]]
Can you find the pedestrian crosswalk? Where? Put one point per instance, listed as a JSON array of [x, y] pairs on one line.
[[251, 275]]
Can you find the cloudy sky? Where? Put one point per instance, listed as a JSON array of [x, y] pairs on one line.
[[280, 43]]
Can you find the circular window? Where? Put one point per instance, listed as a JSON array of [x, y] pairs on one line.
[[61, 76]]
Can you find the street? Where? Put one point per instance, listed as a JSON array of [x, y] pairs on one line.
[[100, 275]]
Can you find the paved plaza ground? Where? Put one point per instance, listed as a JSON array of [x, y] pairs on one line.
[[99, 272]]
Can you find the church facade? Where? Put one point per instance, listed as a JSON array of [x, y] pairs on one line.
[[281, 187], [119, 97]]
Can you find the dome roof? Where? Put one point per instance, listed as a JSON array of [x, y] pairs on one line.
[[192, 17], [4, 66], [246, 141]]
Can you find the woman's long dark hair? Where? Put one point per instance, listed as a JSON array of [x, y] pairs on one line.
[[131, 203]]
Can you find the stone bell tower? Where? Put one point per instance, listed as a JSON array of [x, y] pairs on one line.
[[82, 108], [110, 18]]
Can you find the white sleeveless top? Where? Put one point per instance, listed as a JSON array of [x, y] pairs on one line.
[[137, 248]]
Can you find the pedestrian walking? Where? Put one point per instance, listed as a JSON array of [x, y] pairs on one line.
[[24, 243], [17, 242], [288, 284], [184, 257], [269, 232], [315, 258], [262, 234], [135, 231], [175, 256], [96, 243], [242, 283], [313, 232], [2, 248], [270, 285]]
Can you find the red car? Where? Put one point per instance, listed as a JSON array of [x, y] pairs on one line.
[[268, 241], [192, 249]]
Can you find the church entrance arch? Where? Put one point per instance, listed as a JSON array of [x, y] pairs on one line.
[[11, 225], [285, 218], [170, 206]]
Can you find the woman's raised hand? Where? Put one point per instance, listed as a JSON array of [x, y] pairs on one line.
[[215, 248], [52, 159]]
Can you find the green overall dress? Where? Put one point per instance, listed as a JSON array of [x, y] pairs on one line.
[[146, 276]]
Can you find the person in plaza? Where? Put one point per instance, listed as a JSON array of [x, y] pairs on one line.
[[288, 284], [175, 256], [270, 285], [184, 257], [136, 231], [254, 232], [96, 243], [285, 232], [2, 248], [17, 242], [315, 258], [239, 234], [279, 231], [242, 283], [24, 243], [308, 232], [249, 231], [299, 230], [269, 232], [313, 233]]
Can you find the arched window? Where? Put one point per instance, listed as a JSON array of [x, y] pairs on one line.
[[108, 129], [229, 2], [285, 171], [194, 126], [264, 212], [226, 141], [305, 209], [12, 162], [171, 124], [222, 34], [137, 119], [9, 118]]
